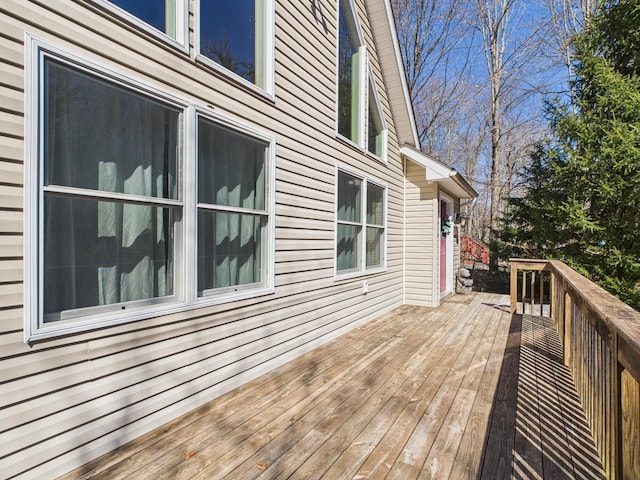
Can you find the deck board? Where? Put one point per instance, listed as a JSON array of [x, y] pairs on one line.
[[465, 391]]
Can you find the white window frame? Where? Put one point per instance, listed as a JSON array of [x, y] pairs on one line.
[[181, 40], [267, 285], [374, 101], [267, 32], [359, 101], [361, 262], [185, 296]]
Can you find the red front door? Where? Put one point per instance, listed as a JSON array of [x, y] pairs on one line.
[[443, 248]]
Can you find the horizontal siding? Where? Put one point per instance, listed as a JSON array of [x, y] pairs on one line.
[[421, 248], [11, 175], [12, 124], [11, 99], [67, 400], [11, 323]]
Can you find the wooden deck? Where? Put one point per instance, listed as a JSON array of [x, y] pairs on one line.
[[462, 391]]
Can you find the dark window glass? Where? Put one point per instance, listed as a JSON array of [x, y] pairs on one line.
[[374, 138], [228, 35], [105, 139], [104, 253], [231, 175], [347, 59]]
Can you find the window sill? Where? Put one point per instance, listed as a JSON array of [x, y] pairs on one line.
[[265, 93], [338, 277], [140, 26], [100, 321], [363, 151]]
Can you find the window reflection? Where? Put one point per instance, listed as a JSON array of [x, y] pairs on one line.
[[228, 35]]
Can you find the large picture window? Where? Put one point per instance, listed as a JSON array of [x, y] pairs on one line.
[[110, 193], [360, 224], [238, 36], [110, 232]]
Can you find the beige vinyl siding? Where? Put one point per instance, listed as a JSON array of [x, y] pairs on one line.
[[11, 179], [67, 400], [421, 251]]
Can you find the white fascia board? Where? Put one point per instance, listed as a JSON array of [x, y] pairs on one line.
[[400, 64]]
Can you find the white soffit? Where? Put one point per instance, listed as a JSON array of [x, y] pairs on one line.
[[435, 171]]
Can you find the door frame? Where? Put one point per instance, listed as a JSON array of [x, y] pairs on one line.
[[447, 201]]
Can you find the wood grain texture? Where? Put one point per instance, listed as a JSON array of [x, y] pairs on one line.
[[418, 393], [630, 409]]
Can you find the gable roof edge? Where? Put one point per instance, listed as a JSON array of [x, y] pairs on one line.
[[384, 30]]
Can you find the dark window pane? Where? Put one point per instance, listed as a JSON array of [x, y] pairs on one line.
[[374, 142], [229, 249], [347, 247], [104, 253], [231, 167], [375, 204], [374, 246], [101, 136], [228, 35], [347, 49], [349, 203]]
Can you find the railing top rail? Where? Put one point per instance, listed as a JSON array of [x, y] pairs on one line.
[[529, 260], [531, 264]]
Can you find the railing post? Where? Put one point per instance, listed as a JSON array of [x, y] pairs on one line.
[[541, 293], [553, 291], [566, 334], [630, 426], [514, 286]]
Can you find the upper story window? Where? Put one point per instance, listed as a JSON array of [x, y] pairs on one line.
[[351, 75], [111, 233], [164, 16], [237, 35], [360, 117], [360, 224]]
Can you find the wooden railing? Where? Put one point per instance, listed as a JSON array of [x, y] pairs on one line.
[[601, 340]]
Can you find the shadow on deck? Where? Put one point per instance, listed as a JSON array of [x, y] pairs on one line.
[[537, 427], [462, 391]]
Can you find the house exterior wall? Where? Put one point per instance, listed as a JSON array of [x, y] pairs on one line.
[[422, 247], [67, 400], [422, 236]]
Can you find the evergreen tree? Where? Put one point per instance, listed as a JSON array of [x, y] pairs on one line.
[[583, 201]]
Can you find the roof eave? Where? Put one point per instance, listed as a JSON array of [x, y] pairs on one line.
[[436, 171]]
